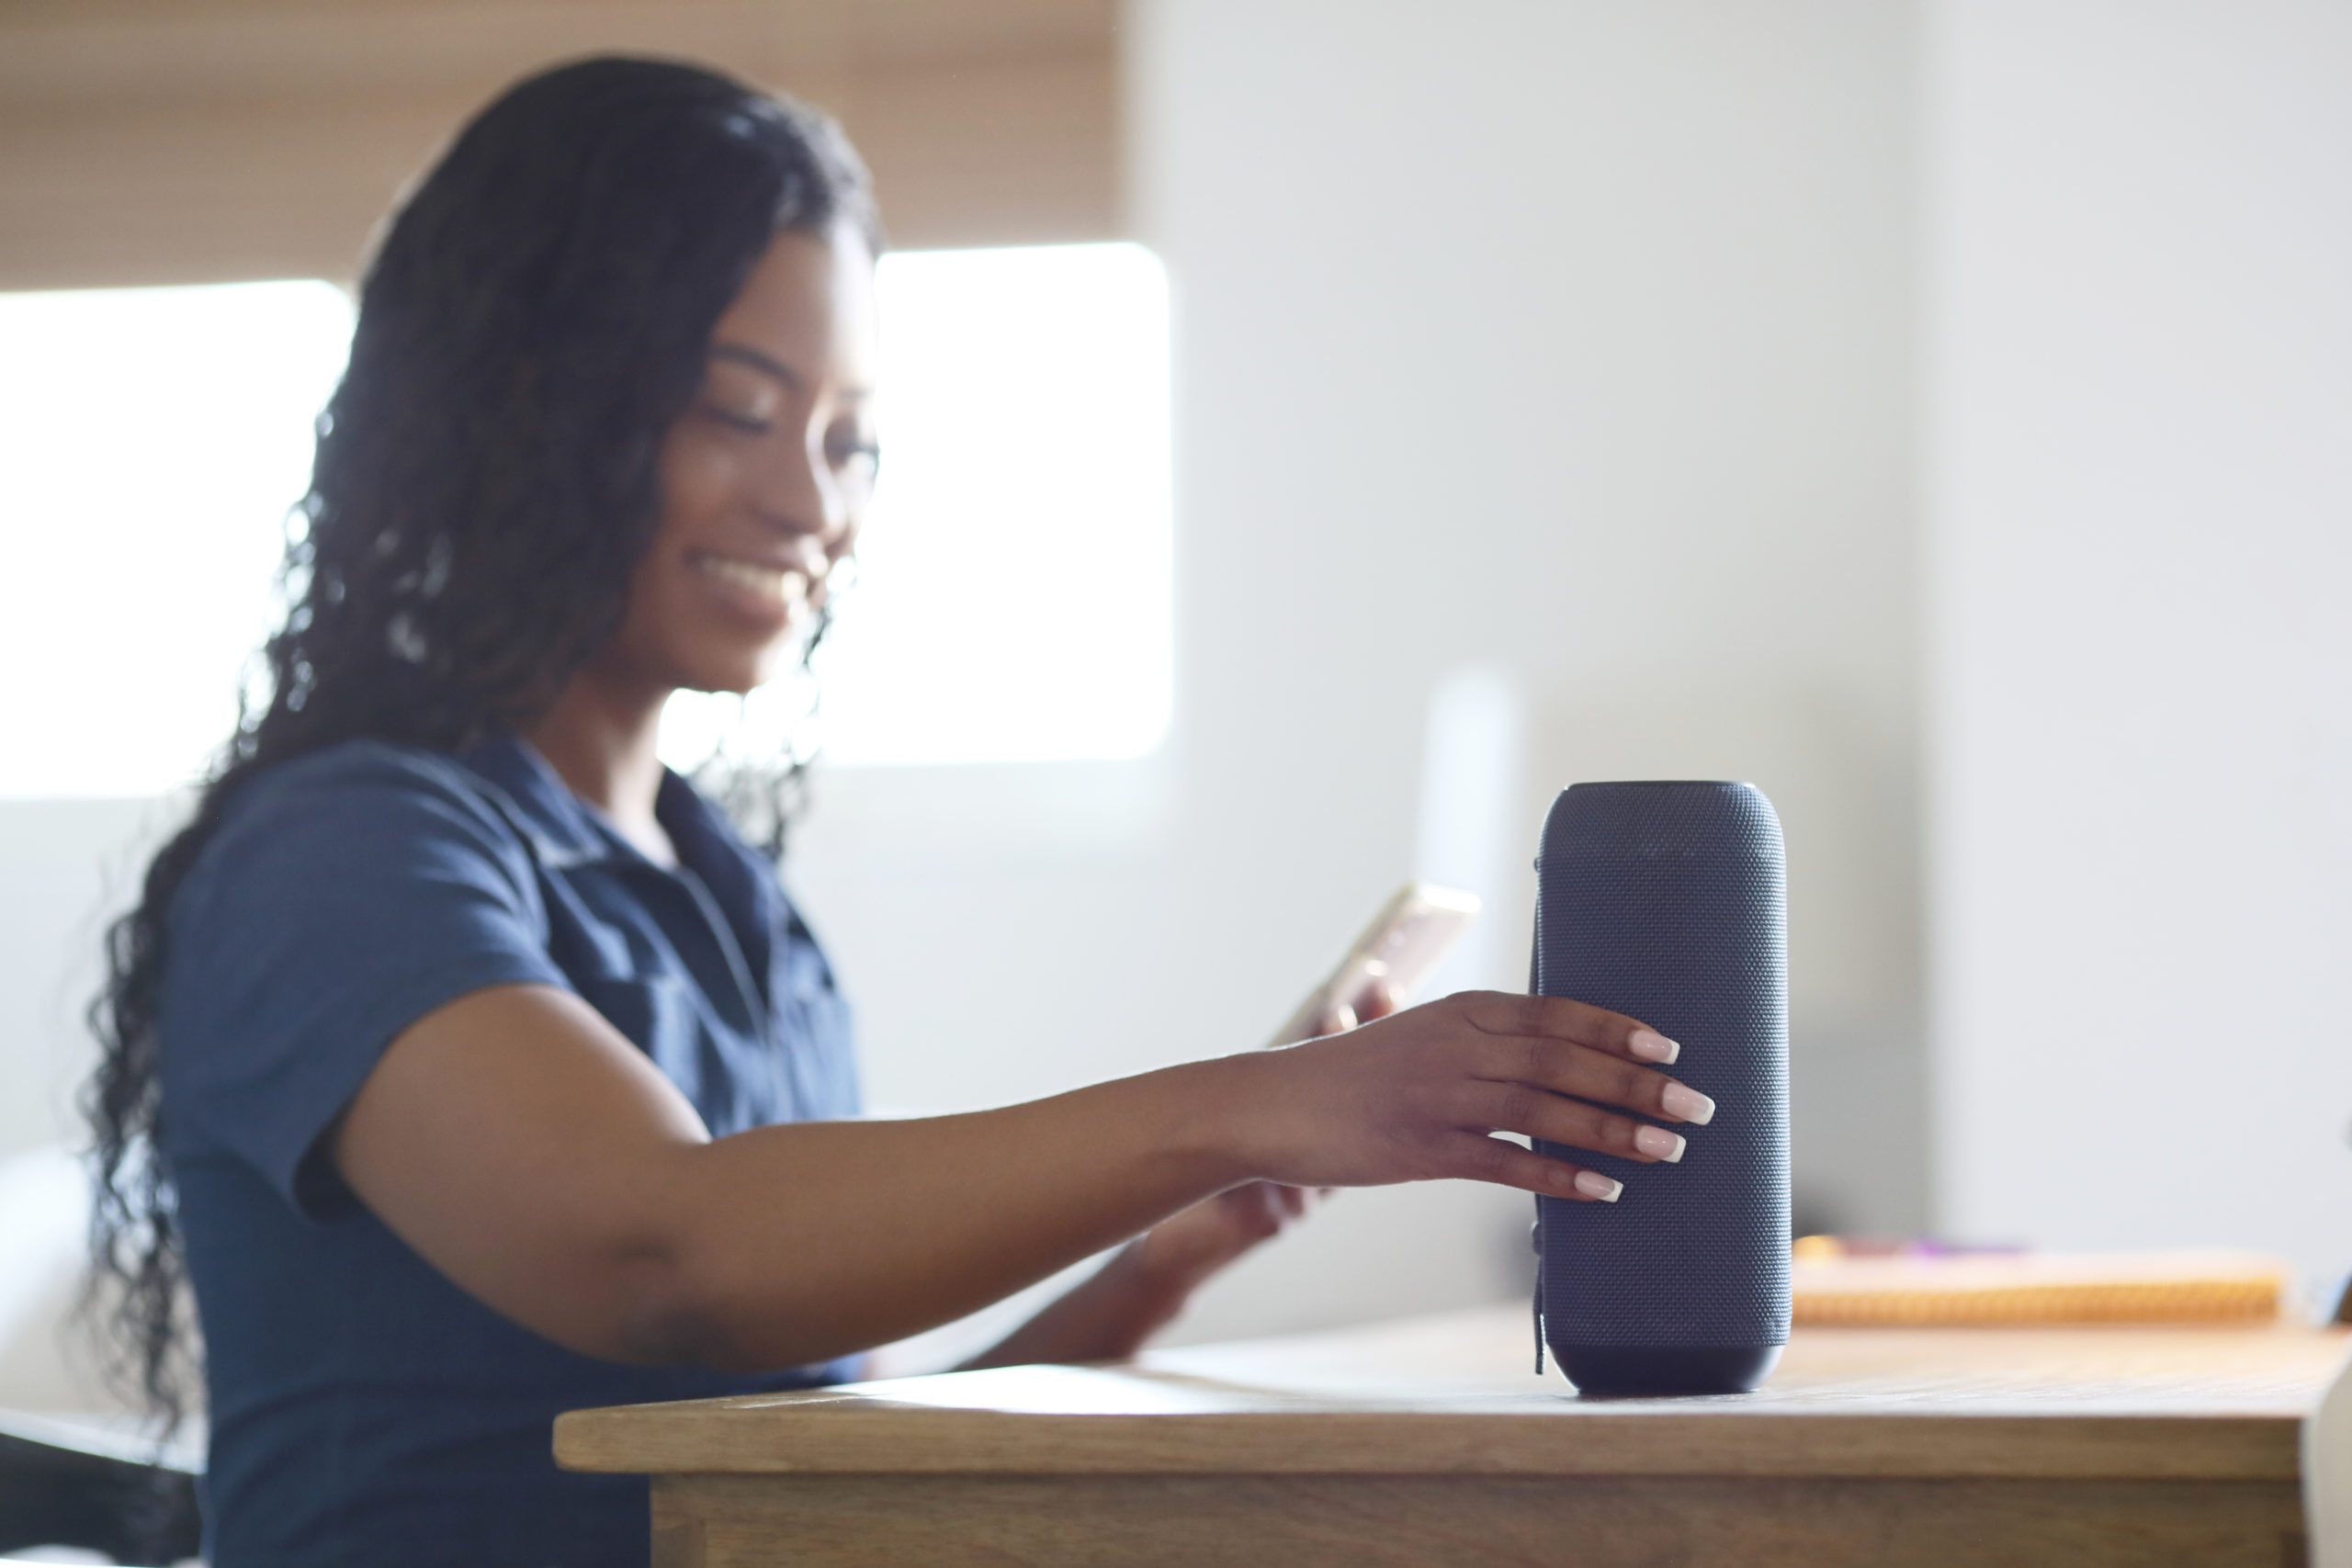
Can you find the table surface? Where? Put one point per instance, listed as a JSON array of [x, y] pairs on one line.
[[1456, 1395]]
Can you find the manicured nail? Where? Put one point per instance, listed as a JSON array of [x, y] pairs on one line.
[[1659, 1143], [1592, 1184], [1687, 1104], [1649, 1045]]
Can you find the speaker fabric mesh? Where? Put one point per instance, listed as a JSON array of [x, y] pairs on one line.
[[1666, 901]]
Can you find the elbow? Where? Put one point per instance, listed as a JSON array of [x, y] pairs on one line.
[[679, 1307], [679, 1335], [670, 1318]]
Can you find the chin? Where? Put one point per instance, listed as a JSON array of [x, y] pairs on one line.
[[738, 675], [732, 684]]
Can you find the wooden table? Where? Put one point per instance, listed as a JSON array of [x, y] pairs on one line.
[[1430, 1442]]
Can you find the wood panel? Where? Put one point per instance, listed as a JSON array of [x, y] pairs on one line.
[[1369, 1522], [144, 142]]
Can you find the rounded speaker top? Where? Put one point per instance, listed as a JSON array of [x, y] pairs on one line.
[[1662, 816]]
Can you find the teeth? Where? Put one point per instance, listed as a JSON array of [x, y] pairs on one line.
[[769, 582]]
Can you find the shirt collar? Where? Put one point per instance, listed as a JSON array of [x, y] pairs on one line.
[[735, 874], [568, 831], [560, 825]]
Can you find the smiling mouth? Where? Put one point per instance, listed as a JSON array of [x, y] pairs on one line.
[[781, 586]]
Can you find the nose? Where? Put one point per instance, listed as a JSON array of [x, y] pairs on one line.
[[801, 495]]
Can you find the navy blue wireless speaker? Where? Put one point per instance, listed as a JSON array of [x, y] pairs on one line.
[[1667, 902]]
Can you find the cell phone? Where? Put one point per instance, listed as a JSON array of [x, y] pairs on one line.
[[1404, 943]]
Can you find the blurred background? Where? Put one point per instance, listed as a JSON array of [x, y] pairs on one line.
[[1319, 430]]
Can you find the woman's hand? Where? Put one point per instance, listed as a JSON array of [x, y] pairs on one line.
[[1108, 1316], [1418, 1095], [1397, 1099], [1180, 1253]]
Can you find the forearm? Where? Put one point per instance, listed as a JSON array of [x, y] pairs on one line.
[[791, 1244]]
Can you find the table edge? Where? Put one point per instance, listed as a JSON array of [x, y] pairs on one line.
[[641, 1440]]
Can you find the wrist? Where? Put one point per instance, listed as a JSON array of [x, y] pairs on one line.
[[1218, 1130]]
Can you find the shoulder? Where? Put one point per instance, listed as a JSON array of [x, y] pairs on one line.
[[362, 773], [360, 811], [338, 897]]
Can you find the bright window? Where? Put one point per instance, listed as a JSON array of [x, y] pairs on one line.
[[152, 443], [1012, 601]]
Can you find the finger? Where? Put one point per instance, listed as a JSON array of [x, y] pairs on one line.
[[1282, 1203], [1587, 1074], [1559, 1018], [1331, 1018], [1517, 1107], [1507, 1164], [1255, 1210], [1271, 1207], [1375, 1000]]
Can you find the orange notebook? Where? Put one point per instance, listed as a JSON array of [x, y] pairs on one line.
[[1833, 1291]]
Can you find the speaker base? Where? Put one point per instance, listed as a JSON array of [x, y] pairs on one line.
[[1621, 1371]]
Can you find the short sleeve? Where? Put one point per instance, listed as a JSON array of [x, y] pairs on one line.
[[345, 896]]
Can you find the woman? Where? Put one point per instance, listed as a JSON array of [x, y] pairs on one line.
[[492, 1074]]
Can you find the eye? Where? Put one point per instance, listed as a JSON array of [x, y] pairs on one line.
[[749, 423], [851, 450], [739, 400]]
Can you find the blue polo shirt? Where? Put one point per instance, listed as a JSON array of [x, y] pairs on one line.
[[364, 1409]]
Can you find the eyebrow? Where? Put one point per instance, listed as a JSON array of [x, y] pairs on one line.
[[742, 354]]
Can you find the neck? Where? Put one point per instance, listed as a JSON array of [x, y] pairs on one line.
[[599, 737]]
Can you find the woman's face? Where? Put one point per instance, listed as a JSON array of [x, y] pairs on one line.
[[764, 478]]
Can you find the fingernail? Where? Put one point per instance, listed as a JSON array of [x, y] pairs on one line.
[[1592, 1184], [1651, 1046], [1659, 1143], [1687, 1104]]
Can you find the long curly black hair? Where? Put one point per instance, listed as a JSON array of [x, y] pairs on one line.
[[535, 317]]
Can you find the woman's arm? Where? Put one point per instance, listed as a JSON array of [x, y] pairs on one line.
[[1108, 1316], [535, 1156]]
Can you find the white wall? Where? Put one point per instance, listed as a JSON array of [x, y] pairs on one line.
[[1569, 339], [2142, 540], [64, 866]]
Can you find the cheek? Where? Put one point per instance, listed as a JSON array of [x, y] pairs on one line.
[[697, 478], [692, 481]]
